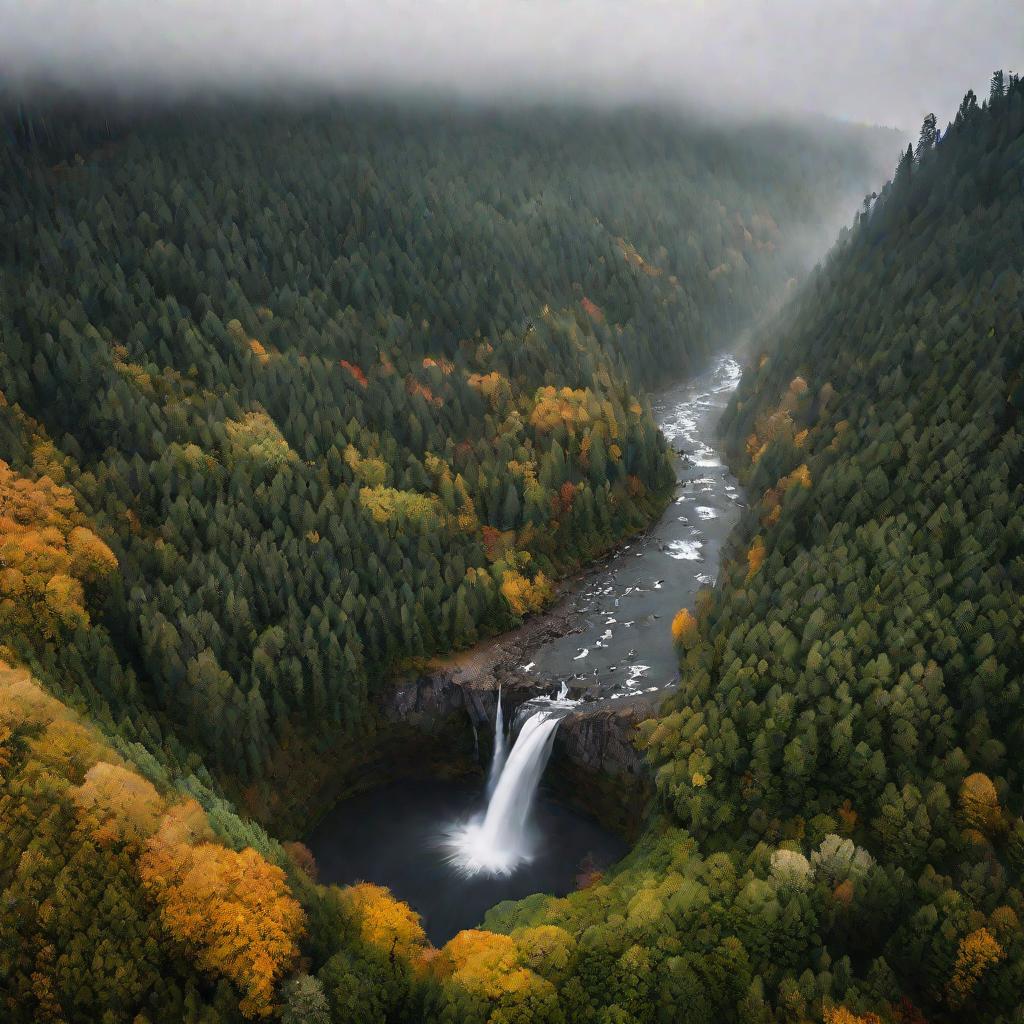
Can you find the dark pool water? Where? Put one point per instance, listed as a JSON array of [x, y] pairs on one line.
[[392, 836]]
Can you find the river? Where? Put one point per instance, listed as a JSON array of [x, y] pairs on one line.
[[395, 835], [626, 608]]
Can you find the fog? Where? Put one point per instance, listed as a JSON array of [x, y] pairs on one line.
[[877, 61]]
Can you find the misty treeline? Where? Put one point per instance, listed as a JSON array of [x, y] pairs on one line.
[[293, 399]]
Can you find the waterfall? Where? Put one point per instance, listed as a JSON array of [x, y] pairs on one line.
[[498, 759], [500, 841]]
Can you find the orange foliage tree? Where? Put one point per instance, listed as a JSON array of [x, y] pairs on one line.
[[554, 407], [976, 952], [755, 557], [233, 910], [684, 628], [355, 372]]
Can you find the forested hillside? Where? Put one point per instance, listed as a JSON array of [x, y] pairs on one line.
[[344, 387], [839, 775], [273, 385]]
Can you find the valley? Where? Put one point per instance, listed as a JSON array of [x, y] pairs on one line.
[[395, 836], [385, 639]]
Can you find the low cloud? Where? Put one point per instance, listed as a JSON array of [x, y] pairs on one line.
[[870, 60]]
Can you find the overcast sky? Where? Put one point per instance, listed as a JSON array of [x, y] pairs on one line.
[[880, 61]]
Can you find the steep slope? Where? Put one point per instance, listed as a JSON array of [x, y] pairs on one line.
[[839, 776], [118, 895]]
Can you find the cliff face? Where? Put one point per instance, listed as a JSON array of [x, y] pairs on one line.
[[597, 738], [601, 740], [467, 684], [597, 767]]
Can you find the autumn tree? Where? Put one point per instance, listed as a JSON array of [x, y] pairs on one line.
[[232, 909]]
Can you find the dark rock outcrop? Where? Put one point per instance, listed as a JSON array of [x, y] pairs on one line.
[[601, 739], [597, 767], [467, 684]]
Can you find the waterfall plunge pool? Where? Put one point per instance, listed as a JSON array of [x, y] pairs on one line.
[[390, 836]]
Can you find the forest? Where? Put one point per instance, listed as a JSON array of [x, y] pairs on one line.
[[295, 398], [339, 395]]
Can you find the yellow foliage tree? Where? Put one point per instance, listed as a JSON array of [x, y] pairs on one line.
[[546, 949], [386, 923], [801, 476], [387, 503], [841, 1015], [118, 804], [63, 746], [975, 954], [371, 471], [436, 466], [48, 556], [493, 386], [585, 446], [979, 804], [466, 518], [524, 595], [487, 964], [257, 437]]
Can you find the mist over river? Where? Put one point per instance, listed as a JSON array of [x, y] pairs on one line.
[[622, 651]]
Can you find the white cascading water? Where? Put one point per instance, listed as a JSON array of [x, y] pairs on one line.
[[500, 841], [498, 759]]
